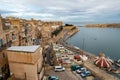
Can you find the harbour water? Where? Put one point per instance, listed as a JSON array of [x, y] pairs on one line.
[[97, 40]]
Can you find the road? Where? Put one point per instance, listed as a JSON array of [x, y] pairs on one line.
[[65, 75]]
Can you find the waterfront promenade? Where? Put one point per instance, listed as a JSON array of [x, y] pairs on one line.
[[103, 75], [99, 72]]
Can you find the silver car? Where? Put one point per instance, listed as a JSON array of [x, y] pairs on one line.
[[59, 68]]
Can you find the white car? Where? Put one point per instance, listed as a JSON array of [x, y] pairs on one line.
[[78, 71], [59, 68]]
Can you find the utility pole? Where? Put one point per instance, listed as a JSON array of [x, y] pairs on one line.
[[83, 46]]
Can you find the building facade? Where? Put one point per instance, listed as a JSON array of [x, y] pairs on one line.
[[22, 32], [5, 42], [26, 62]]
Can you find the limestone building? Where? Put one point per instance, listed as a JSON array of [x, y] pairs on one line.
[[5, 42], [26, 62]]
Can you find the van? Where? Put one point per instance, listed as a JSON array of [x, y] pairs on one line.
[[59, 68]]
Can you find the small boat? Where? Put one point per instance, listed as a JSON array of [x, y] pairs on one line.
[[110, 59], [118, 60], [117, 63], [76, 47]]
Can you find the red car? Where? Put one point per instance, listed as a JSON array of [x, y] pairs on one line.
[[77, 57]]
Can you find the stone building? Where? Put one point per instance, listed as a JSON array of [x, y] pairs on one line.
[[12, 33], [26, 62], [5, 41], [21, 32], [15, 31], [28, 32], [48, 28]]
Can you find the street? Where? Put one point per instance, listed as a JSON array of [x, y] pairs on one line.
[[65, 75]]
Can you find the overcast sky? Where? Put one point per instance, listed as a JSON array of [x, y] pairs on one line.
[[65, 10]]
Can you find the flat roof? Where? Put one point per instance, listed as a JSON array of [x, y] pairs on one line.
[[24, 48]]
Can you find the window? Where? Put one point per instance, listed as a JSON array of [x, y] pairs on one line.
[[13, 36], [3, 55], [7, 38], [1, 43]]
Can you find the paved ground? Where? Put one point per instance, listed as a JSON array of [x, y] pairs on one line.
[[99, 72], [65, 75]]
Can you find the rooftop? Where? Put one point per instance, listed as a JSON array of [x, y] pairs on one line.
[[24, 48]]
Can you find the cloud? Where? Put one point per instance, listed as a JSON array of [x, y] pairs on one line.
[[5, 11], [65, 10]]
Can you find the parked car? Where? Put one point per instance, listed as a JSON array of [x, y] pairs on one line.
[[52, 78], [83, 69], [77, 57], [83, 75], [78, 71], [59, 68], [88, 73], [75, 67], [78, 67]]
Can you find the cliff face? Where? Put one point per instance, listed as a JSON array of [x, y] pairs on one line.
[[114, 25]]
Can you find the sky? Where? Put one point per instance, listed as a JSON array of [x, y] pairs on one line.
[[97, 11]]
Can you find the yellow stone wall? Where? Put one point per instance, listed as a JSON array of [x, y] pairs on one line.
[[22, 63]]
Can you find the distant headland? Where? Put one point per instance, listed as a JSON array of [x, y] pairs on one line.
[[113, 25]]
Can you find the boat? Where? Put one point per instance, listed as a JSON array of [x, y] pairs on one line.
[[118, 60], [117, 63], [110, 59]]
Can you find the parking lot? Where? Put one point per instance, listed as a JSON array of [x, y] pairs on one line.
[[64, 75]]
